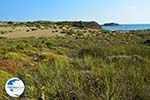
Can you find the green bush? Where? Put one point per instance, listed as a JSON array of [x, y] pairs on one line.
[[50, 43], [4, 76], [2, 32]]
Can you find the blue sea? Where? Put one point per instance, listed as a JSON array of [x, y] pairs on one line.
[[127, 27]]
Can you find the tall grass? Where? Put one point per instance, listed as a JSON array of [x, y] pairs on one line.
[[70, 68], [88, 78]]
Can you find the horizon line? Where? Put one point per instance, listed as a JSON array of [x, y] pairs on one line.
[[71, 21]]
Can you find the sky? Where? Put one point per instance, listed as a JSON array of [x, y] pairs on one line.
[[102, 11]]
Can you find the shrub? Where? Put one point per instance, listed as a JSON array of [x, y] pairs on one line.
[[4, 76], [47, 55], [10, 22], [63, 31], [17, 57], [2, 32], [49, 42], [27, 30], [33, 29], [147, 42], [94, 51], [70, 32], [8, 65]]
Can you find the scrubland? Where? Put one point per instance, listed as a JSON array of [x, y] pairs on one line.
[[78, 64]]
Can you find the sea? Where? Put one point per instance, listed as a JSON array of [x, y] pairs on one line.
[[127, 27]]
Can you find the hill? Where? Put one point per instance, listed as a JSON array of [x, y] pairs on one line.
[[78, 24]]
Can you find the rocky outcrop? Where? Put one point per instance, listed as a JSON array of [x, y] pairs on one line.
[[110, 24]]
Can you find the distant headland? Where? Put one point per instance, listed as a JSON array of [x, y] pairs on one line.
[[110, 24]]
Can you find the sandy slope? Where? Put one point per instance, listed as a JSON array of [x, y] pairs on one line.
[[21, 32]]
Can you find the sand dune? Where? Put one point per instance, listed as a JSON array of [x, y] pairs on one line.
[[24, 32]]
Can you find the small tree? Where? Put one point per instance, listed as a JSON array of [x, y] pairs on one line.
[[10, 22]]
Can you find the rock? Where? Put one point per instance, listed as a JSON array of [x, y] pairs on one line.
[[134, 58]]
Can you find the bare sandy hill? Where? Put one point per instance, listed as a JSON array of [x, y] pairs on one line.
[[24, 32]]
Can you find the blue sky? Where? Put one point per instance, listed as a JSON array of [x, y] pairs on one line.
[[102, 11]]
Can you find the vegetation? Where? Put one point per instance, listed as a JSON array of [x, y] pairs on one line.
[[78, 24], [2, 32], [4, 76], [101, 65]]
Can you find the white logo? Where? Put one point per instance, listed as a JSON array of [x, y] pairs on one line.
[[14, 87]]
